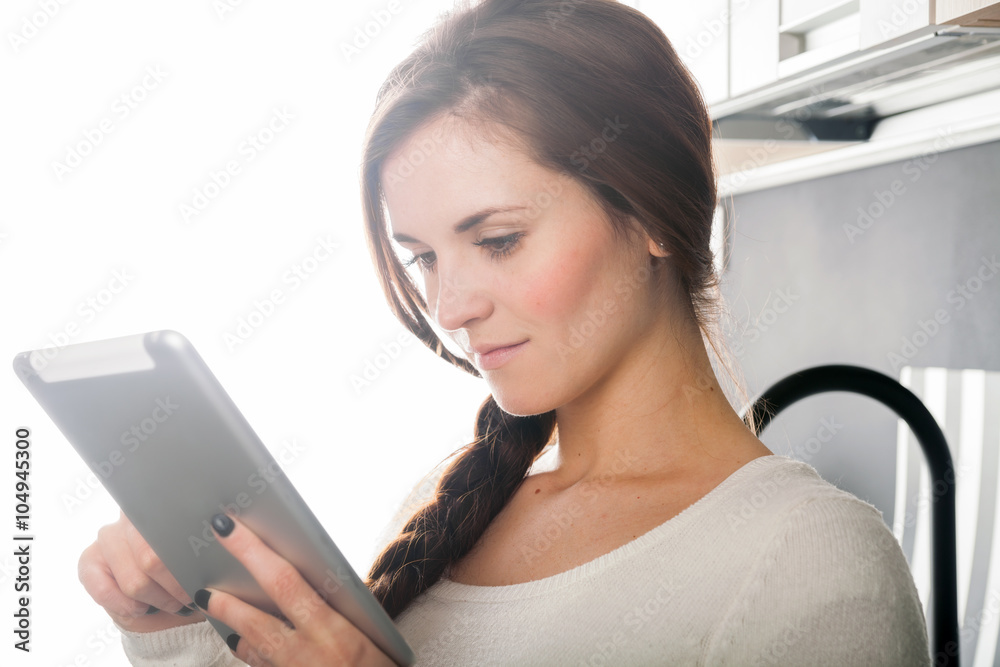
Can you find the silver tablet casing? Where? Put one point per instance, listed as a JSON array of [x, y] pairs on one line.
[[158, 430]]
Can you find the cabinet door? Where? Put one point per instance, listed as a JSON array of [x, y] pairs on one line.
[[885, 20], [699, 32], [753, 39], [981, 13]]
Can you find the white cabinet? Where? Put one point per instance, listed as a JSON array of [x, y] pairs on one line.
[[753, 43], [885, 20], [734, 47], [814, 32]]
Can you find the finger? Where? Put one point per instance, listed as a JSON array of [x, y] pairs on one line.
[[129, 576], [96, 577], [147, 561], [295, 598], [258, 636]]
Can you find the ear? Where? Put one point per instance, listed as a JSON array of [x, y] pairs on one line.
[[657, 250]]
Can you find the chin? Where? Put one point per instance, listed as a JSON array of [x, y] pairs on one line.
[[521, 403]]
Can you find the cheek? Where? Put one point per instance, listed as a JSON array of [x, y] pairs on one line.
[[559, 288]]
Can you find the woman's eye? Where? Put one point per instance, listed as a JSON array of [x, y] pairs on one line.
[[498, 248], [426, 260], [501, 246]]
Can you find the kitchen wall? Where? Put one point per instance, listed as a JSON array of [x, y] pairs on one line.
[[884, 267]]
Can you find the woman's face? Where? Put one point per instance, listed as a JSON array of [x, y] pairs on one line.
[[516, 256]]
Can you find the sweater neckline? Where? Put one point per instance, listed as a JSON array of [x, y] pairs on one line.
[[447, 589]]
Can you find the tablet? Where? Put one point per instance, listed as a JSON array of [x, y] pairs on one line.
[[163, 437]]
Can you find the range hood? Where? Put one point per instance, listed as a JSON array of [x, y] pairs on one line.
[[843, 100]]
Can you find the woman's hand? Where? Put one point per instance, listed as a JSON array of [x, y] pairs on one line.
[[314, 634], [123, 575]]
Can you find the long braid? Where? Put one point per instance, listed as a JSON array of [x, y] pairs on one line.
[[470, 493]]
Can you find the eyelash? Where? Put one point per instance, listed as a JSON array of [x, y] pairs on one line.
[[499, 247]]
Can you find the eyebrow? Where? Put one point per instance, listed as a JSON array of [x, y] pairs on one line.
[[467, 222]]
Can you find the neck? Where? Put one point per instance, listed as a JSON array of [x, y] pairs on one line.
[[661, 413]]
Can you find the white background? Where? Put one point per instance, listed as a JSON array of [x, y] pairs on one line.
[[64, 235]]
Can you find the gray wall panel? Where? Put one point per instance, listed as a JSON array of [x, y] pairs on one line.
[[852, 288]]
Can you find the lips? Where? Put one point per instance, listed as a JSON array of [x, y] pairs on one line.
[[492, 356], [487, 348]]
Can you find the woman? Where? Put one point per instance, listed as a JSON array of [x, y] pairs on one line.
[[546, 166]]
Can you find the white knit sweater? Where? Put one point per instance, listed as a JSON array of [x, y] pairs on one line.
[[773, 566]]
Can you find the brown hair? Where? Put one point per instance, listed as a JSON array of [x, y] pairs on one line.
[[557, 74]]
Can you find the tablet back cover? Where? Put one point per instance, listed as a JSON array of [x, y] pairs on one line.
[[161, 434]]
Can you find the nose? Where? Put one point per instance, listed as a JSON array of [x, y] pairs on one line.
[[458, 299]]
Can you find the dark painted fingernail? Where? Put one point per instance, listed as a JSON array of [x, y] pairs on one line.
[[222, 524], [232, 640], [201, 598], [151, 610], [184, 611]]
